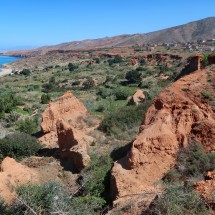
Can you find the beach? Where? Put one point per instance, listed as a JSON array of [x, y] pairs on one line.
[[5, 71]]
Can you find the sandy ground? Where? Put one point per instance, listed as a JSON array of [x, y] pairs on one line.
[[5, 71]]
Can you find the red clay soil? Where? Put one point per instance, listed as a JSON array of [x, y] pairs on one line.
[[181, 111]]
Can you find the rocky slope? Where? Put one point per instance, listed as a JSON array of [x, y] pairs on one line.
[[202, 29], [181, 112], [65, 129]]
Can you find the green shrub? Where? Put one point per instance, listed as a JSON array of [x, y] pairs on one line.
[[89, 83], [121, 94], [124, 118], [96, 174], [206, 95], [19, 145], [205, 59], [103, 92], [133, 77], [97, 60], [45, 98], [72, 67], [76, 83], [45, 198], [28, 126], [192, 162], [116, 59], [49, 86], [142, 62], [25, 72], [54, 198], [9, 102], [100, 108], [178, 200]]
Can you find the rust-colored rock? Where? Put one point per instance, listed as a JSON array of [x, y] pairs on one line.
[[67, 107], [64, 125], [175, 116], [66, 137], [137, 98], [207, 188], [13, 174], [194, 63]]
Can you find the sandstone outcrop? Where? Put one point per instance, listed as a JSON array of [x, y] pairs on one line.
[[137, 98], [64, 126], [207, 188], [13, 174], [178, 113], [193, 64]]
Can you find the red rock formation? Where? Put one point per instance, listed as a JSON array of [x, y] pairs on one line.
[[174, 116], [194, 63], [67, 107], [207, 188], [63, 123], [13, 174], [137, 98]]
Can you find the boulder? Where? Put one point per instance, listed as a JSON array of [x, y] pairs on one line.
[[137, 98]]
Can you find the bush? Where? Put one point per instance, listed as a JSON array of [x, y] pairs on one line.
[[178, 200], [133, 77], [25, 72], [45, 98], [51, 85], [28, 126], [116, 59], [206, 95], [8, 102], [89, 83], [121, 94], [96, 175], [97, 60], [205, 59], [192, 162], [19, 145], [72, 67], [103, 92], [123, 119], [54, 198]]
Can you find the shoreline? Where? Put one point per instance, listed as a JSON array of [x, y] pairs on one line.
[[5, 71]]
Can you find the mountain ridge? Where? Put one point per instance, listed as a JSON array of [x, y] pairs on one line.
[[192, 31]]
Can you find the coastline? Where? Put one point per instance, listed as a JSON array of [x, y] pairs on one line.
[[5, 71]]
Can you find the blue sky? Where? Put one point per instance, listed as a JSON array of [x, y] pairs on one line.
[[28, 23]]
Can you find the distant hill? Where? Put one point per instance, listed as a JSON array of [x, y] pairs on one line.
[[202, 29]]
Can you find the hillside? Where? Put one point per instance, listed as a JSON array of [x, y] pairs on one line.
[[202, 29]]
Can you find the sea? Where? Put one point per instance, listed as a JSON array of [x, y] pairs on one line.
[[7, 59]]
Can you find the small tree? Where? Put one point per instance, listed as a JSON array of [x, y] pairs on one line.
[[89, 83], [133, 77], [45, 98], [25, 72], [72, 67]]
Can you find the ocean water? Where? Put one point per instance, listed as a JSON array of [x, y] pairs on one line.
[[7, 59]]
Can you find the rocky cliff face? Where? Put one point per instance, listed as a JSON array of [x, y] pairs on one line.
[[180, 112], [64, 126]]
